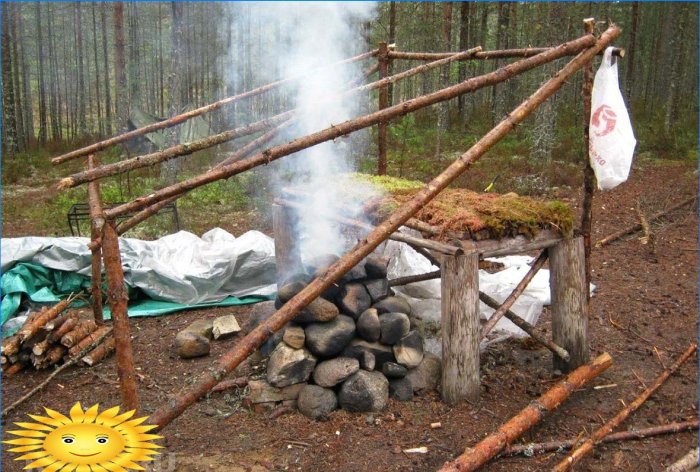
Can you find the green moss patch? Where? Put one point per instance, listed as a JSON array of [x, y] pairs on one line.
[[473, 214]]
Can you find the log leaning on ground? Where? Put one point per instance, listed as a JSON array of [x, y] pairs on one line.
[[556, 446], [243, 348], [118, 299], [687, 463], [95, 206], [30, 329], [636, 227], [350, 126], [517, 291], [77, 334], [489, 447], [176, 120], [276, 123], [608, 427]]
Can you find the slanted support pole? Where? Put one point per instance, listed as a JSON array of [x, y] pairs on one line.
[[567, 282], [460, 328], [287, 254], [96, 223], [383, 58], [588, 174], [118, 299]]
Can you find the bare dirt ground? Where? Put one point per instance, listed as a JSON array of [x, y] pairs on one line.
[[645, 313]]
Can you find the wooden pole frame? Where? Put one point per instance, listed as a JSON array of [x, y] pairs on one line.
[[350, 126], [244, 347], [95, 206]]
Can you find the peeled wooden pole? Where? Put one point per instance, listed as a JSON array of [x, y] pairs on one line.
[[117, 298], [275, 122], [243, 348], [489, 447], [249, 148], [95, 206], [608, 427], [517, 291], [176, 120], [495, 54], [350, 126], [555, 446]]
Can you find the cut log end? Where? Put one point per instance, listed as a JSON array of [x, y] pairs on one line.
[[68, 182]]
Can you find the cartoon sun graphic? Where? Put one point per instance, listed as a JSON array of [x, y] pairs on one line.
[[86, 442]]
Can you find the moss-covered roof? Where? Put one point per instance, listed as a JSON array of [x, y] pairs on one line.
[[476, 215]]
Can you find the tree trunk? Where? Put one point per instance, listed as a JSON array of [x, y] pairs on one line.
[[464, 8], [678, 46], [444, 107], [9, 121], [17, 86], [631, 51], [82, 116], [498, 99], [100, 121], [105, 57], [28, 111], [169, 168], [43, 124], [392, 40], [122, 102], [55, 103]]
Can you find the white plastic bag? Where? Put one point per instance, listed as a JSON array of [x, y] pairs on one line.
[[611, 141]]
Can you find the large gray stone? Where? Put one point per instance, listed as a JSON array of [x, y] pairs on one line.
[[393, 305], [378, 289], [356, 273], [367, 360], [381, 352], [392, 370], [316, 402], [409, 350], [364, 391], [189, 344], [333, 371], [259, 313], [202, 327], [401, 389], [289, 366], [318, 311], [426, 376], [376, 266], [368, 327], [263, 392], [354, 299], [393, 326], [329, 339]]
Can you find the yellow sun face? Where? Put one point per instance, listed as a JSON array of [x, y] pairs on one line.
[[88, 441]]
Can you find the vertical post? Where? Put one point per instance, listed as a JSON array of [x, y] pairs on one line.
[[567, 280], [383, 59], [117, 298], [287, 254], [460, 328], [96, 224], [588, 174]]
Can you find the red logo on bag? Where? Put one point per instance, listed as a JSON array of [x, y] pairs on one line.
[[606, 114]]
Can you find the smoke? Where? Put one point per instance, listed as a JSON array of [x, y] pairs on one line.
[[311, 36]]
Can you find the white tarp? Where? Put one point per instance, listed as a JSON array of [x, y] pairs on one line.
[[180, 267]]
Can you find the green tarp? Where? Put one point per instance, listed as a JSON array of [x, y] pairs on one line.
[[43, 285]]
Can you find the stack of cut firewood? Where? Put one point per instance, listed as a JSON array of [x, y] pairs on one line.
[[49, 337]]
